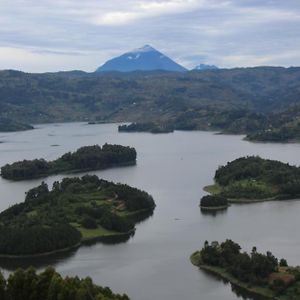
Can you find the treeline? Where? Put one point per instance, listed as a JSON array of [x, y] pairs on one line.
[[50, 285], [146, 127], [51, 220], [27, 240], [255, 177], [85, 158], [254, 268]]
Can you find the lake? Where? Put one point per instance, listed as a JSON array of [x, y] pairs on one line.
[[154, 263]]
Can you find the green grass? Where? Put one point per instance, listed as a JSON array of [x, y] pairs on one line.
[[213, 189], [88, 234], [248, 191]]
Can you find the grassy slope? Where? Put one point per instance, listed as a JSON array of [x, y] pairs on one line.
[[216, 189]]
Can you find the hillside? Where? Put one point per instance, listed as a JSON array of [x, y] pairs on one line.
[[146, 96]]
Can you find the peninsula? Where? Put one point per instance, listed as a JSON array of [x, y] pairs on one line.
[[76, 210], [258, 273], [252, 179]]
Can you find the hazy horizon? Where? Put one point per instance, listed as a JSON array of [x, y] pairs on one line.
[[49, 36]]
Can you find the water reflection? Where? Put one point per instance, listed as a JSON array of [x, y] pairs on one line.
[[11, 264], [213, 212]]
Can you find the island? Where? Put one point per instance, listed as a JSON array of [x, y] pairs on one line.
[[147, 127], [213, 202], [254, 179], [25, 284], [75, 211], [9, 125], [84, 159], [258, 273]]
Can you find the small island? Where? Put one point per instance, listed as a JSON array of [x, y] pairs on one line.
[[8, 125], [84, 159], [258, 273], [49, 284], [76, 210], [213, 202], [147, 127], [254, 179]]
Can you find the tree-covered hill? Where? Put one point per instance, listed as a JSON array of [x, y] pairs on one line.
[[74, 211], [144, 96], [253, 178], [50, 285], [7, 125]]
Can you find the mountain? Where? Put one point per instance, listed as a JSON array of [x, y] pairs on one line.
[[143, 59], [203, 67]]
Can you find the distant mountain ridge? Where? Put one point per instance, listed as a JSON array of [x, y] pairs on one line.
[[203, 67], [145, 58]]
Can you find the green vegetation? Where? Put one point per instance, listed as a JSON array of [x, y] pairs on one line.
[[50, 285], [282, 127], [85, 158], [212, 202], [258, 273], [75, 210], [243, 100], [7, 125], [146, 127], [252, 178]]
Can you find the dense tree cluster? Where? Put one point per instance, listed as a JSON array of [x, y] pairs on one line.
[[254, 177], [85, 158], [49, 220], [50, 285], [254, 268], [212, 201], [36, 239]]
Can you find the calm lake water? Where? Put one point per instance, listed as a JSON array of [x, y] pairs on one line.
[[154, 264]]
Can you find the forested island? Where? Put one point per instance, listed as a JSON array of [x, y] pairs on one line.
[[84, 159], [9, 125], [258, 273], [50, 285], [76, 210], [213, 202], [146, 127], [251, 178]]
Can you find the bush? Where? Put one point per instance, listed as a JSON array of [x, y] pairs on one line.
[[89, 223]]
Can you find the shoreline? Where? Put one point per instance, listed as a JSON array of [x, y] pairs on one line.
[[212, 208], [76, 246], [280, 197], [195, 259], [86, 240], [74, 171]]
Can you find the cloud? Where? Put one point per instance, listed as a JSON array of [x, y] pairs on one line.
[[68, 34], [147, 9]]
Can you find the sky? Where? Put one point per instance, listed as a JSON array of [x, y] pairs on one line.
[[53, 35]]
